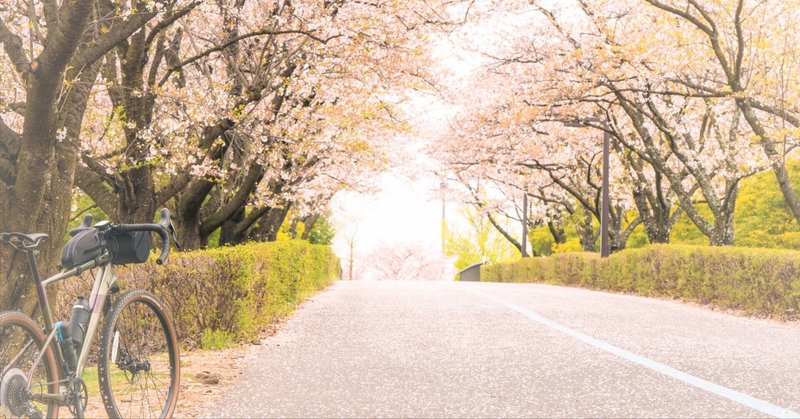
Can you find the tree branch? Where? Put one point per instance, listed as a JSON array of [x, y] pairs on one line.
[[686, 15], [167, 21], [254, 175], [234, 40], [93, 186], [61, 45], [13, 46], [119, 31], [50, 8]]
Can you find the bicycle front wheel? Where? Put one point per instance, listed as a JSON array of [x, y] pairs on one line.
[[28, 371], [138, 363]]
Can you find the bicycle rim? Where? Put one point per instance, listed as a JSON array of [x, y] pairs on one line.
[[139, 366], [21, 344]]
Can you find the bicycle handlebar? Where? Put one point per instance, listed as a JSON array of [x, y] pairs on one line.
[[163, 228]]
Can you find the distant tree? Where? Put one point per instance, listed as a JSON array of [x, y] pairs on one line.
[[321, 231], [405, 262], [478, 242]]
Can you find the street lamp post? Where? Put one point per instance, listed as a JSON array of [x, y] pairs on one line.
[[605, 206]]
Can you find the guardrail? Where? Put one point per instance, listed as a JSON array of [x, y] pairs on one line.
[[471, 273]]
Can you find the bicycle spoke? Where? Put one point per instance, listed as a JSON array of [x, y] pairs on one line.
[[145, 397], [145, 357], [160, 395]]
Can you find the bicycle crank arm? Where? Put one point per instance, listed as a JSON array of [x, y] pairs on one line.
[[61, 399]]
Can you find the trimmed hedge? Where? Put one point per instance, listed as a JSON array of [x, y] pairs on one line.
[[233, 292], [759, 281]]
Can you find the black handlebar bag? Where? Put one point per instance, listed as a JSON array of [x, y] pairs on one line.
[[85, 246], [133, 247]]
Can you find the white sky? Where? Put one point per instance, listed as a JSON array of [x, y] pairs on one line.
[[408, 207], [404, 211]]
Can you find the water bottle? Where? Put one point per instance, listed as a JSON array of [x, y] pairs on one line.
[[67, 346], [79, 321]]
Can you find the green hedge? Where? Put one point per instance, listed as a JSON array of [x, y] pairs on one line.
[[758, 281], [232, 293]]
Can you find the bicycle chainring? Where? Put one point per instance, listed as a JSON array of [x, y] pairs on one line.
[[79, 389], [14, 395]]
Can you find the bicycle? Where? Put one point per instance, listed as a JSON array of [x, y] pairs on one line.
[[138, 363]]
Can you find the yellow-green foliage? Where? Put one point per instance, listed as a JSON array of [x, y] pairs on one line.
[[758, 281], [541, 241], [481, 241], [234, 292], [216, 339], [571, 245], [762, 219]]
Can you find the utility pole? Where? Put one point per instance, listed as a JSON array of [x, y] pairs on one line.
[[352, 256], [524, 240], [442, 187], [351, 241]]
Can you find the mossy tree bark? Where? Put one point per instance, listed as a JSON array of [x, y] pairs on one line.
[[37, 165]]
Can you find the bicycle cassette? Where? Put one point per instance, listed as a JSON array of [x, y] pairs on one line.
[[14, 393]]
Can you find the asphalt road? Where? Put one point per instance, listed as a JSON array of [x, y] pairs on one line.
[[442, 349]]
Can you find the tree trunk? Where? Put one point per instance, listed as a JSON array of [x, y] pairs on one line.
[[586, 233], [188, 225], [229, 236], [657, 224], [293, 228], [268, 227], [309, 222], [652, 203], [778, 161], [557, 231], [137, 203], [135, 186], [724, 224], [42, 178], [275, 220]]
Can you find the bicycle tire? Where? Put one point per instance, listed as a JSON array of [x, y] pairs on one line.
[[138, 349], [13, 327]]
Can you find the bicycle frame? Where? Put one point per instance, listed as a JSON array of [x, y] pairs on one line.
[[97, 300]]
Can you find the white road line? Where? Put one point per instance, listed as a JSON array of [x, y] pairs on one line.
[[732, 395]]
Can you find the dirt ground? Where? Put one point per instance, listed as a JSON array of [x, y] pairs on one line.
[[206, 376]]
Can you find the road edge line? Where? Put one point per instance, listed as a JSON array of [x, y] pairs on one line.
[[719, 390]]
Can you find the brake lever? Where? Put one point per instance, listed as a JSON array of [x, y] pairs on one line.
[[86, 223], [175, 235]]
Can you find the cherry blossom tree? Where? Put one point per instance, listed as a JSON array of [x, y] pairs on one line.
[[203, 106], [746, 46], [54, 50], [253, 110], [677, 148], [404, 262]]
